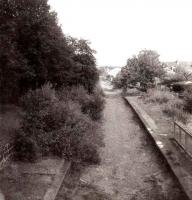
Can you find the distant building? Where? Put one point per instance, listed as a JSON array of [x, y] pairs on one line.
[[171, 67], [109, 71]]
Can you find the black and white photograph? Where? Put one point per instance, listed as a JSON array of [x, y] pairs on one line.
[[95, 100]]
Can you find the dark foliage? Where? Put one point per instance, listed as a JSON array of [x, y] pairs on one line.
[[86, 73], [54, 127], [26, 148], [177, 87], [187, 95], [91, 104], [34, 51]]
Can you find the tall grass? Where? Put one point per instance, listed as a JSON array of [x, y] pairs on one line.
[[175, 110], [159, 96], [170, 104]]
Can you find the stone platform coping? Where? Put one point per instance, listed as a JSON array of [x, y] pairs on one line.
[[179, 162]]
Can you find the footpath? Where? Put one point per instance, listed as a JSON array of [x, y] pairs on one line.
[[131, 167]]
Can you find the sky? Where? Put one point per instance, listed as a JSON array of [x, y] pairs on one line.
[[119, 29]]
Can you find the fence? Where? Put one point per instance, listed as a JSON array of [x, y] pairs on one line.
[[183, 137]]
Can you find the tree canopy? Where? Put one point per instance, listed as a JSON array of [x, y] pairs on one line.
[[142, 69], [35, 51], [86, 72]]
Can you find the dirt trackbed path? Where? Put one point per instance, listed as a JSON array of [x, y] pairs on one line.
[[131, 167]]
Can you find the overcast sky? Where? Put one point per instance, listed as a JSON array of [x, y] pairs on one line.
[[119, 29]]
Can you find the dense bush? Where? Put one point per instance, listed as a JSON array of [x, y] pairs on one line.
[[91, 104], [54, 127], [187, 95], [178, 87], [94, 105], [119, 81]]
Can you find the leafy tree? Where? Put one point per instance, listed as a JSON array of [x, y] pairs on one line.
[[42, 42], [35, 51], [13, 69], [120, 81], [86, 73], [142, 69], [12, 64]]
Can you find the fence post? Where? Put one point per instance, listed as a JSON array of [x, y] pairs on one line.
[[174, 129], [180, 136], [183, 140], [186, 142]]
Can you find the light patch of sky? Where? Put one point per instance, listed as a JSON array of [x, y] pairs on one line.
[[119, 29]]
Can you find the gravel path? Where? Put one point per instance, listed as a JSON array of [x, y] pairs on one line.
[[131, 167]]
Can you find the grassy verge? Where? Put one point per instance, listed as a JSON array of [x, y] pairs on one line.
[[164, 107], [169, 103]]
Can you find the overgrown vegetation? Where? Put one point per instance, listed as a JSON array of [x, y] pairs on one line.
[[145, 73], [159, 96], [176, 112], [187, 96], [53, 78], [56, 126], [170, 104], [91, 104]]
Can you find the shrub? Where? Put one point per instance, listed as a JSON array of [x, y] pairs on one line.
[[95, 105], [178, 87], [75, 136], [39, 99], [91, 104], [54, 127], [26, 148], [159, 96], [187, 95]]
